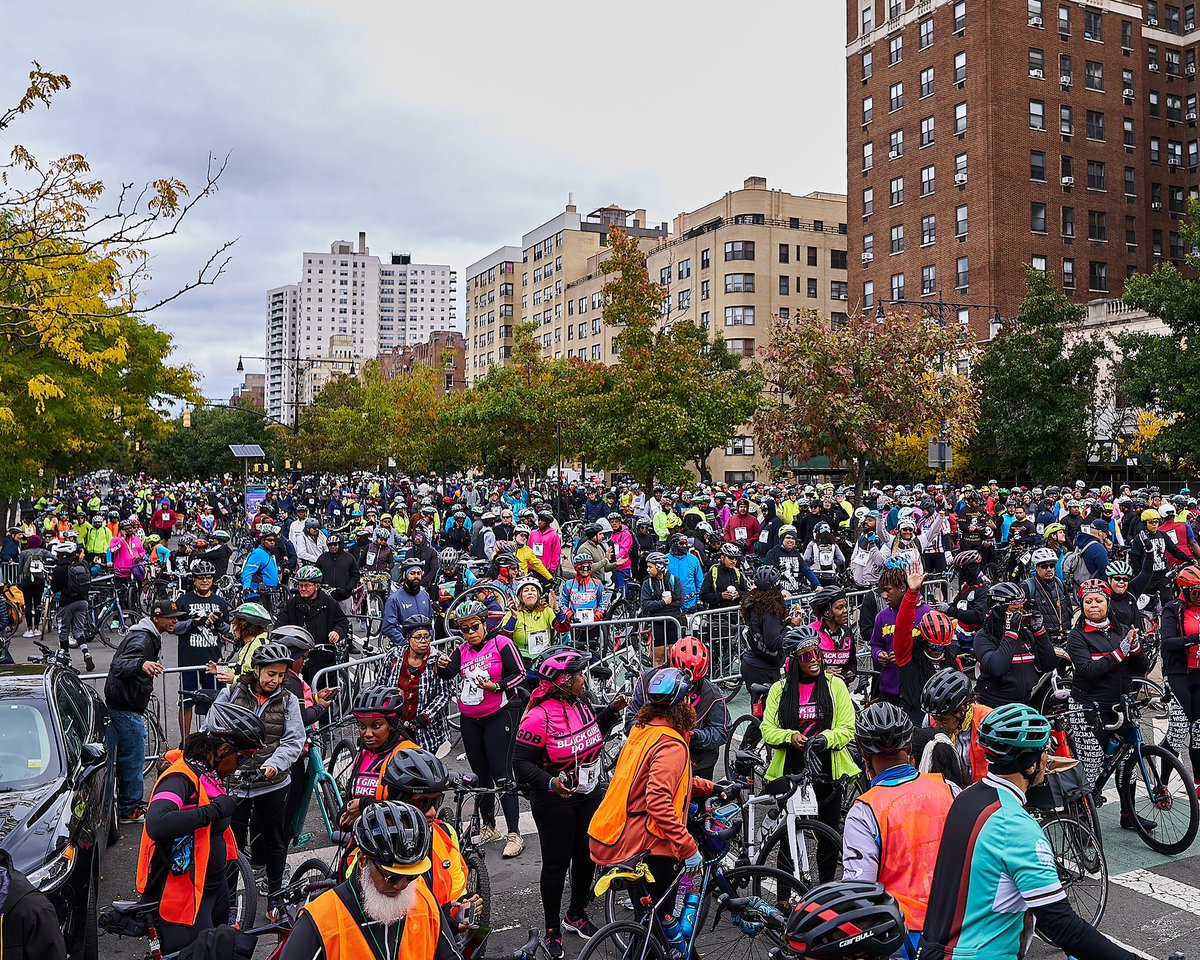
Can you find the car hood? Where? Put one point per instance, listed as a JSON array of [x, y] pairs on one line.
[[32, 822]]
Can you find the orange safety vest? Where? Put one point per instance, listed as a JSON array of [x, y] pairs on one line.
[[449, 873], [343, 938], [910, 817], [979, 763], [608, 822], [181, 895]]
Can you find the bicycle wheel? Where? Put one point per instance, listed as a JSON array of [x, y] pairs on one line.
[[112, 628], [745, 735], [154, 742], [1158, 789], [1082, 868], [625, 940], [745, 935], [810, 836], [341, 763], [310, 871], [480, 881], [329, 800], [243, 895], [1155, 713]]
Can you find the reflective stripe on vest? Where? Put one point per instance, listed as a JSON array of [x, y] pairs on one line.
[[344, 939], [910, 817], [608, 822], [181, 895]]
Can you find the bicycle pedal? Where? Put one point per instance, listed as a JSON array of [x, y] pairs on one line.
[[304, 840]]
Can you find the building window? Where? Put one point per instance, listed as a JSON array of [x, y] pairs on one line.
[[1155, 150], [705, 259], [896, 49], [866, 65], [837, 260], [1128, 128], [896, 96], [960, 66], [741, 347], [705, 289], [739, 283], [739, 316], [1037, 217], [1097, 226], [898, 238], [960, 221], [1068, 273], [1131, 231], [1037, 60], [785, 250], [1038, 263], [1068, 221], [868, 293], [1037, 165], [1098, 276], [812, 288], [1096, 178], [868, 18], [810, 255], [1155, 108], [927, 181], [1095, 125], [927, 82], [897, 191], [1093, 76], [962, 273], [868, 155], [868, 201], [685, 269], [839, 290], [739, 250], [784, 285], [928, 230], [685, 300], [897, 286], [664, 276], [1037, 115], [960, 118], [926, 131], [895, 144], [1064, 19], [1093, 26], [740, 447], [928, 280], [926, 33], [960, 16], [1065, 123], [1130, 182], [868, 249]]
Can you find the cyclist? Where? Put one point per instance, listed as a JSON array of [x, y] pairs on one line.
[[583, 597], [262, 798], [949, 745], [557, 756], [339, 570], [376, 711], [823, 558], [409, 599], [385, 909], [832, 610], [789, 559], [766, 618], [644, 810], [187, 842], [538, 618], [893, 830], [1180, 631], [724, 584], [995, 867], [1012, 648], [922, 651], [893, 584], [970, 606], [260, 572], [685, 565], [71, 580], [530, 564], [848, 920], [491, 668], [412, 670], [712, 713], [199, 636], [809, 713], [1123, 603], [661, 596], [317, 612], [1051, 600], [248, 624]]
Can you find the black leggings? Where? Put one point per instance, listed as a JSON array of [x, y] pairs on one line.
[[267, 848], [488, 743], [562, 825], [213, 911], [1186, 688], [33, 603]]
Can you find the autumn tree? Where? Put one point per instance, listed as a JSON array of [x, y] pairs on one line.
[[848, 389], [200, 449], [1037, 382]]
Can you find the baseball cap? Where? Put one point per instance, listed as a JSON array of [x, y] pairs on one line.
[[166, 608]]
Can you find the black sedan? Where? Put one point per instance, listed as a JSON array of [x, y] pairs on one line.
[[57, 813]]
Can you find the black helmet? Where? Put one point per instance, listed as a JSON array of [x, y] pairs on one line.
[[417, 621], [237, 726], [1003, 593], [202, 568], [296, 638], [270, 653], [591, 529], [414, 772], [667, 686], [968, 558], [945, 693], [731, 550], [766, 578], [385, 701], [798, 638], [851, 918], [883, 728], [395, 835], [823, 600], [334, 540]]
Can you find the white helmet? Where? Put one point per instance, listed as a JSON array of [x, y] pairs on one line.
[[1043, 555]]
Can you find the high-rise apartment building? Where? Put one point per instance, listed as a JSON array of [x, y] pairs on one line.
[[354, 301], [986, 136]]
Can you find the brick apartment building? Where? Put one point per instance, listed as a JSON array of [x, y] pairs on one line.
[[983, 136], [444, 351]]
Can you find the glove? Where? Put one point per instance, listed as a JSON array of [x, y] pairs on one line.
[[694, 862], [1014, 622], [420, 721], [222, 807], [819, 743], [943, 608], [341, 594], [1036, 623]]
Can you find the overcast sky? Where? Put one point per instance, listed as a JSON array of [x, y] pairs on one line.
[[442, 129]]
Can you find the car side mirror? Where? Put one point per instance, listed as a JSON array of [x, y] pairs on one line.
[[93, 753]]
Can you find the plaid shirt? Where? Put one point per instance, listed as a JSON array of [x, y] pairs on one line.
[[433, 699]]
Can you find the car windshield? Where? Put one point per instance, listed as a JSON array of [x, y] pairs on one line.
[[28, 754]]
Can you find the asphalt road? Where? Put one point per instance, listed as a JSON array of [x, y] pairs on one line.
[[1153, 901]]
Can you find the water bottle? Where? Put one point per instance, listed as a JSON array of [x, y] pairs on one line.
[[687, 917]]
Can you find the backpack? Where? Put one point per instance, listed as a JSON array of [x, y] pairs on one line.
[[1074, 570], [37, 569], [14, 601]]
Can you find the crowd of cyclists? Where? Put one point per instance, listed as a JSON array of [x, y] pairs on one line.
[[916, 722]]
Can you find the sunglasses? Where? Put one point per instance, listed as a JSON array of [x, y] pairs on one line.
[[1046, 565], [391, 879], [470, 627], [426, 803], [808, 656], [1119, 579]]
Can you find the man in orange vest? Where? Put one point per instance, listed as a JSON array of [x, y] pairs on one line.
[[385, 911], [893, 831]]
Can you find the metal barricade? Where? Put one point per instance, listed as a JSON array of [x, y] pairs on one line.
[[349, 677], [720, 629]]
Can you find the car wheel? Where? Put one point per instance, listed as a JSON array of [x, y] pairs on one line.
[[91, 945]]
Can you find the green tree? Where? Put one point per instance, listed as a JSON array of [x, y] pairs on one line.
[[1036, 383], [1161, 372], [849, 388], [202, 449], [674, 395]]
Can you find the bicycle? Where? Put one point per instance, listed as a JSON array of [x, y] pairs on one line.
[[322, 784], [105, 617], [465, 786], [367, 600]]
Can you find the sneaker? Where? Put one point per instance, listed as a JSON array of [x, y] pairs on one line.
[[514, 846], [32, 633], [260, 879], [88, 663], [1127, 823], [488, 833], [138, 815], [581, 924], [73, 641], [553, 944], [274, 910]]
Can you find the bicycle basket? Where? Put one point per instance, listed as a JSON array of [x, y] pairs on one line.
[[1058, 789]]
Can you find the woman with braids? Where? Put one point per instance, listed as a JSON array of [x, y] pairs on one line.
[[922, 647], [766, 617], [809, 715], [832, 610]]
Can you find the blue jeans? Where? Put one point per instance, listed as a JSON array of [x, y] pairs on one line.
[[127, 750]]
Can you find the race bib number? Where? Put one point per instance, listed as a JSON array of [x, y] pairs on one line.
[[589, 776], [537, 549], [538, 641], [585, 616], [471, 692], [762, 537], [739, 533], [802, 803]]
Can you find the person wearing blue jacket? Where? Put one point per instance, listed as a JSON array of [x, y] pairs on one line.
[[260, 570], [1093, 540], [685, 565], [410, 599]]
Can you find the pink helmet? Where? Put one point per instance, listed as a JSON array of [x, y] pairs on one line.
[[560, 663]]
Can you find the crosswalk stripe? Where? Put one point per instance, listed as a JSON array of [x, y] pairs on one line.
[[1162, 889], [1134, 950]]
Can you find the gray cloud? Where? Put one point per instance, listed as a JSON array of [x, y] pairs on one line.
[[442, 129]]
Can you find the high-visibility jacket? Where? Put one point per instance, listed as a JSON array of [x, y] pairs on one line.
[[608, 822], [181, 895], [910, 816], [343, 938], [448, 877]]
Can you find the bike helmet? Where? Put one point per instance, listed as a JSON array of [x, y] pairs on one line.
[[1094, 586], [821, 529], [1012, 732], [297, 638], [690, 654], [312, 523], [415, 772], [667, 686], [937, 629], [787, 530], [505, 559], [254, 614], [1188, 577], [586, 560], [946, 692], [966, 558], [559, 663], [395, 836], [850, 918], [270, 653], [415, 622], [658, 558], [470, 610], [680, 543], [187, 541], [799, 638], [524, 582], [309, 574], [1043, 555], [1151, 515], [545, 516], [731, 550], [239, 727], [65, 549], [448, 558], [1003, 593], [883, 728], [334, 540], [378, 702], [1052, 529], [381, 533], [767, 578], [823, 600], [1118, 568], [591, 529]]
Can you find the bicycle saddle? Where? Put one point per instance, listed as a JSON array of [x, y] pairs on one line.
[[624, 875], [134, 908], [760, 689]]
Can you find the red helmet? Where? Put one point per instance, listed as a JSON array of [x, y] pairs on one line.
[[688, 653], [937, 629], [1189, 576], [1094, 586]]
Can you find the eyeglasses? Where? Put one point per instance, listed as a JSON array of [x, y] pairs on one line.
[[1045, 566]]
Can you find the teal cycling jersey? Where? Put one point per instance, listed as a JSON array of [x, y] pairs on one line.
[[994, 865]]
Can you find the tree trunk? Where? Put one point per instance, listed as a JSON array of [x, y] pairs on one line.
[[861, 483]]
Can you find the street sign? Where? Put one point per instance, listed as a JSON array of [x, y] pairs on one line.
[[941, 454]]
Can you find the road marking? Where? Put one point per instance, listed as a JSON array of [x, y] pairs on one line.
[[1162, 889], [1134, 950]]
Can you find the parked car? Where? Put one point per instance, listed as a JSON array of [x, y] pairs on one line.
[[57, 796]]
